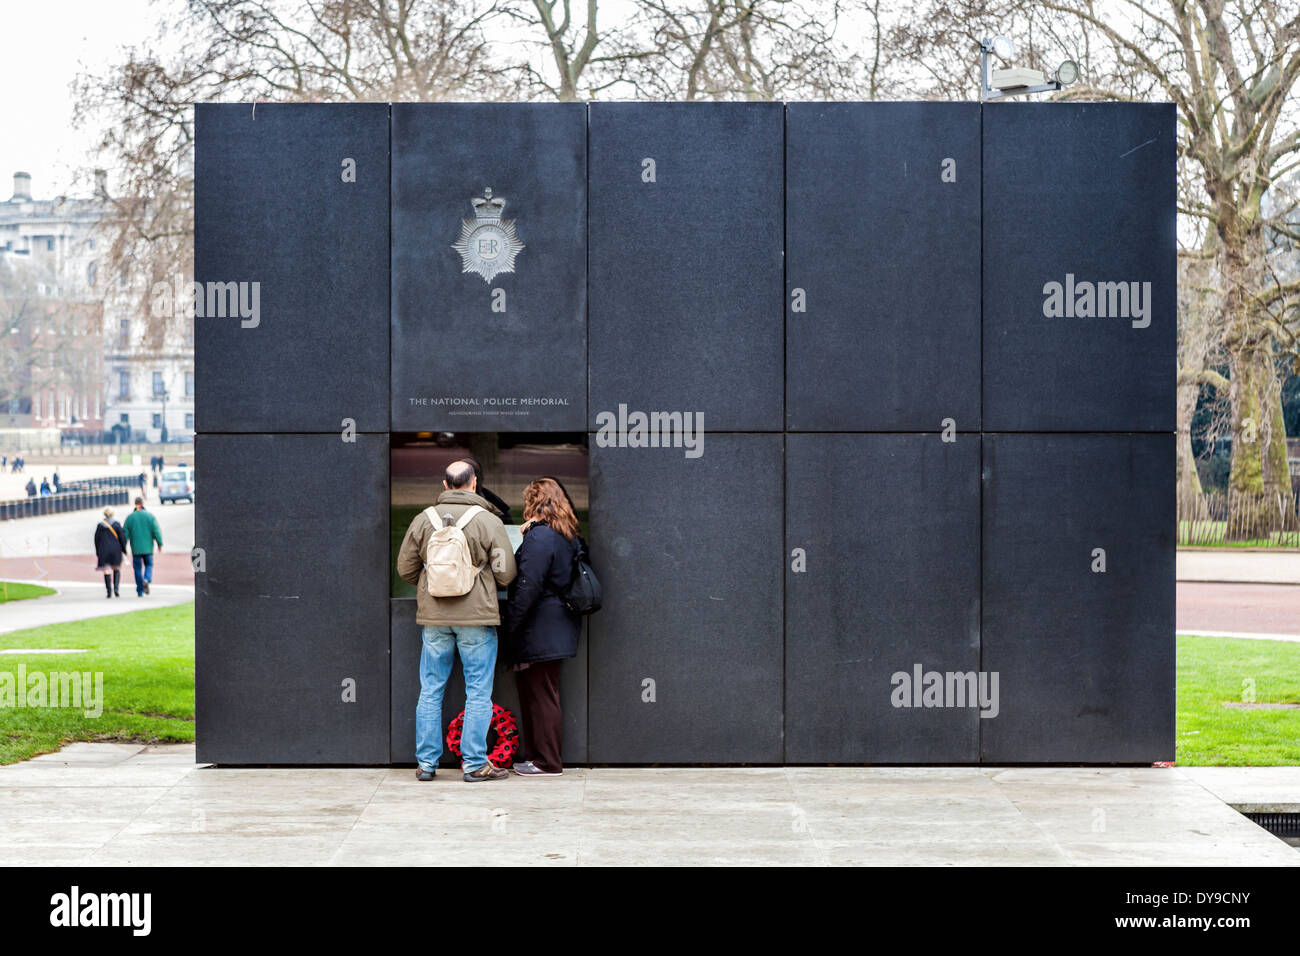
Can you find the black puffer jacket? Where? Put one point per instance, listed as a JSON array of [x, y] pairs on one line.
[[538, 626]]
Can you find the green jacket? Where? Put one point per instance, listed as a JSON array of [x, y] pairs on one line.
[[489, 545], [141, 530]]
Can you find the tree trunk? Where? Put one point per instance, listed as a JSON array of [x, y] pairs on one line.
[[1189, 481], [1249, 371], [1277, 471]]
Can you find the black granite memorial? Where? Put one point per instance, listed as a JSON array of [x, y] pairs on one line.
[[685, 259], [689, 668], [882, 576], [1078, 610], [1080, 320], [491, 335], [931, 517], [291, 622], [882, 266], [291, 223]]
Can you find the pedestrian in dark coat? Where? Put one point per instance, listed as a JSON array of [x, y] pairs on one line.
[[541, 632], [496, 501], [109, 546]]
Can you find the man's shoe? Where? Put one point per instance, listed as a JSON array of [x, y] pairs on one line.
[[425, 775], [529, 769], [146, 587], [487, 772]]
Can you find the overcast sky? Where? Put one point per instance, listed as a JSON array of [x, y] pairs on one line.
[[46, 44]]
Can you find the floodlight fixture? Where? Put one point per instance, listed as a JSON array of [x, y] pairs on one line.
[[1013, 80]]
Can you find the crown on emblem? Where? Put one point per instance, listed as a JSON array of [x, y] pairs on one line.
[[488, 206]]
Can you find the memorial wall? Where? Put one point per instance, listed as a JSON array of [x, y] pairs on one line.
[[875, 401]]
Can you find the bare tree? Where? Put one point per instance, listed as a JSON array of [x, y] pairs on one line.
[[1230, 66], [293, 50], [47, 342], [759, 50]]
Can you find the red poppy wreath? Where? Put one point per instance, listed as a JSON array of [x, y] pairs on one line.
[[502, 740]]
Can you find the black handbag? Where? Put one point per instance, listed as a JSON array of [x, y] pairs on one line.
[[582, 596]]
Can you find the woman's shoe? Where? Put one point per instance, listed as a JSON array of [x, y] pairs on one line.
[[527, 768]]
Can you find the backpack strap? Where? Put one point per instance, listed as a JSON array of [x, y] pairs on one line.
[[435, 519], [470, 514]]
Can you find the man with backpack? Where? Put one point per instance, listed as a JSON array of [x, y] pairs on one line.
[[457, 554]]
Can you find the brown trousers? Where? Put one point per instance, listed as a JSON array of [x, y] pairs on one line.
[[539, 699]]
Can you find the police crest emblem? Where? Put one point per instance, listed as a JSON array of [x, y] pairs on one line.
[[488, 244]]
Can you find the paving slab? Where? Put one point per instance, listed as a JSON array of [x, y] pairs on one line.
[[129, 804], [1250, 789], [1239, 566]]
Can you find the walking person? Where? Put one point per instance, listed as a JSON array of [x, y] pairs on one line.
[[541, 631], [456, 553], [110, 541], [141, 532]]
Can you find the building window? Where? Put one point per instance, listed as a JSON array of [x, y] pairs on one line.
[[189, 331], [189, 384], [92, 245], [124, 384], [157, 420], [189, 421], [124, 418], [123, 333], [157, 385], [90, 273], [49, 245]]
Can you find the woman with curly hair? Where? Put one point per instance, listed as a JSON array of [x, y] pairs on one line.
[[541, 631]]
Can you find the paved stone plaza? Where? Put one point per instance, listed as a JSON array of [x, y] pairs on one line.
[[135, 805]]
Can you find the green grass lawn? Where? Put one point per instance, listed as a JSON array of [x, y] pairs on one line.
[[21, 592], [1212, 670], [146, 659]]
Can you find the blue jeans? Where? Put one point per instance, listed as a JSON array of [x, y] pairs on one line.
[[478, 661], [142, 565]]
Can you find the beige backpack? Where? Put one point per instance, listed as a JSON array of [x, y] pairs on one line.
[[448, 566]]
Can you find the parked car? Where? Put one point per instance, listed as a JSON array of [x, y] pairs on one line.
[[175, 484]]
